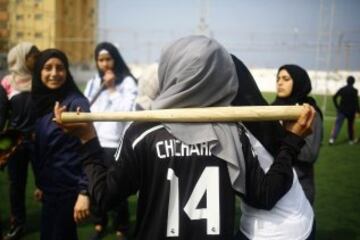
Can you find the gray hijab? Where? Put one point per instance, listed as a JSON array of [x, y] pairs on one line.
[[197, 71]]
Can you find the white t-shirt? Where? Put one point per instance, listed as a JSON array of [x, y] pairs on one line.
[[290, 219], [123, 99]]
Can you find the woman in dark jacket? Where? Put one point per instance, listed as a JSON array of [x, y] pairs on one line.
[[57, 165], [293, 87]]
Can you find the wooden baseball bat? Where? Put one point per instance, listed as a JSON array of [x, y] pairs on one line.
[[211, 114]]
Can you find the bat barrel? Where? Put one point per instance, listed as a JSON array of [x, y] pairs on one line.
[[212, 114]]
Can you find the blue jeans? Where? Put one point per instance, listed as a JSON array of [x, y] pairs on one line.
[[340, 117]]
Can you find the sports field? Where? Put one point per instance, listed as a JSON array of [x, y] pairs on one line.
[[337, 205]]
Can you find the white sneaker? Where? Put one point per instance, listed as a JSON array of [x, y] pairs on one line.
[[352, 142], [331, 141]]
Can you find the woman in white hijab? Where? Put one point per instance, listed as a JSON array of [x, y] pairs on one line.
[[19, 113], [21, 60]]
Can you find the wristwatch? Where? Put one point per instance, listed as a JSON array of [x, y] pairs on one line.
[[84, 192]]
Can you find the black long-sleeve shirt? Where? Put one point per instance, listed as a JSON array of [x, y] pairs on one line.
[[184, 191], [4, 106], [16, 107], [264, 190], [349, 102]]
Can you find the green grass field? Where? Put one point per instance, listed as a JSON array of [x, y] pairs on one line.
[[337, 205]]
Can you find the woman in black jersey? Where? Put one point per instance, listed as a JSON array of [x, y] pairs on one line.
[[186, 175]]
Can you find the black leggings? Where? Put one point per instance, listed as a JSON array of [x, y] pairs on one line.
[[121, 218]]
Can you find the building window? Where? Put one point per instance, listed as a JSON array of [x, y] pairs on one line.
[[3, 24], [19, 34], [38, 35], [19, 17], [38, 16], [3, 6]]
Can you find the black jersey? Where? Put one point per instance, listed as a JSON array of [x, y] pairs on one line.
[[184, 192], [349, 102]]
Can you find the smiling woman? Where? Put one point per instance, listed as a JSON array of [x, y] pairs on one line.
[[57, 164], [53, 74]]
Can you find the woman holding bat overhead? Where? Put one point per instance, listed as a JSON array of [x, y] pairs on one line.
[[187, 174], [288, 214], [57, 165], [113, 89]]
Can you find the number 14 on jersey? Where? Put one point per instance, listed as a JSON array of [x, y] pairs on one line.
[[208, 184]]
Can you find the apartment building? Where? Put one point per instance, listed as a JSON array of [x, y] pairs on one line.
[[69, 25]]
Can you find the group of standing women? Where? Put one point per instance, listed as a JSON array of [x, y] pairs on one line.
[[57, 163], [37, 82]]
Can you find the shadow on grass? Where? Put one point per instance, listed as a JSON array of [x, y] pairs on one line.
[[342, 233], [85, 229], [33, 221]]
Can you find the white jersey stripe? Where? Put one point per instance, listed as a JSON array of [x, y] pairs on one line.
[[150, 130], [117, 153]]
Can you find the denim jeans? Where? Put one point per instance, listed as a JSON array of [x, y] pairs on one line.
[[340, 117]]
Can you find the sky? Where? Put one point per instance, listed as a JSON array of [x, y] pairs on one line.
[[316, 34]]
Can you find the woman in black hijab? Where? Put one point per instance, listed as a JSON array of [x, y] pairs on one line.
[[286, 198], [112, 89], [293, 87], [57, 164], [120, 68], [45, 95], [269, 133]]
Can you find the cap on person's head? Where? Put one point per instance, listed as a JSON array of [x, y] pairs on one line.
[[350, 80]]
